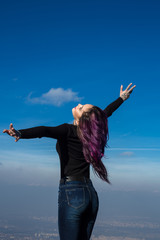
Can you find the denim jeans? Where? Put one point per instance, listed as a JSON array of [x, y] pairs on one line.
[[77, 210]]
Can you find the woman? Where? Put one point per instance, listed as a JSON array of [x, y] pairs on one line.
[[79, 145]]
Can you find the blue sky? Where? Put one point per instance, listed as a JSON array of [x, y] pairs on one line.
[[55, 54]]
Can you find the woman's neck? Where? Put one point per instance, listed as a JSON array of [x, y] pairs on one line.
[[75, 122]]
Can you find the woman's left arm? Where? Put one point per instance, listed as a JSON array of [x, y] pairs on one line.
[[57, 132], [124, 95]]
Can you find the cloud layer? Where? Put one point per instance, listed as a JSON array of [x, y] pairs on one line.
[[55, 96], [127, 154]]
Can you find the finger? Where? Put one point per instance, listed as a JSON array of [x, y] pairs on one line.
[[12, 129], [130, 90], [121, 88], [11, 126], [9, 132], [6, 131], [128, 86], [16, 140]]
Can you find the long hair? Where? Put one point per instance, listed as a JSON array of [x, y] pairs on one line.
[[93, 133]]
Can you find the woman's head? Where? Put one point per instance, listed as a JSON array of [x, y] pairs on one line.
[[79, 110], [93, 132]]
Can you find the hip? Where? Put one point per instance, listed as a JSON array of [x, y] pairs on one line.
[[77, 194]]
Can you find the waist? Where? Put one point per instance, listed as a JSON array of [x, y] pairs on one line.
[[74, 178]]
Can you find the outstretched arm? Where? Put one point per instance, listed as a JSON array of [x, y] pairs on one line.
[[38, 132], [124, 95]]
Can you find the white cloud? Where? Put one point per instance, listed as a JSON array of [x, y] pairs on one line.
[[133, 149], [127, 154], [55, 96]]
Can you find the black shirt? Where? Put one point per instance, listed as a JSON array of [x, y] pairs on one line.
[[69, 146]]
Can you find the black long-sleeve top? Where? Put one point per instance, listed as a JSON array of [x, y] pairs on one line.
[[69, 146]]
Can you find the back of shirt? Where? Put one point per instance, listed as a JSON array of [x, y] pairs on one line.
[[71, 154]]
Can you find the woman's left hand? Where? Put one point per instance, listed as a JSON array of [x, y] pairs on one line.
[[126, 93], [13, 132]]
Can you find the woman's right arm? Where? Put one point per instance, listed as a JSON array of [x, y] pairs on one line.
[[38, 132], [124, 95]]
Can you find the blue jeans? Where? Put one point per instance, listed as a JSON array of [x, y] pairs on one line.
[[77, 210]]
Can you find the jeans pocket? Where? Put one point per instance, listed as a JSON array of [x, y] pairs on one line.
[[75, 197]]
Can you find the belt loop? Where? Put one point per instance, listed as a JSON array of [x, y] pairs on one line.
[[64, 180]]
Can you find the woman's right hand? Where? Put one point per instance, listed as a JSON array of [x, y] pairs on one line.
[[12, 132], [124, 94]]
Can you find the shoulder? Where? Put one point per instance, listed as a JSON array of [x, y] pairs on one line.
[[71, 129], [67, 126]]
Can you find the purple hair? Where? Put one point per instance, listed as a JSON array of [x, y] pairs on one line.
[[93, 133]]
